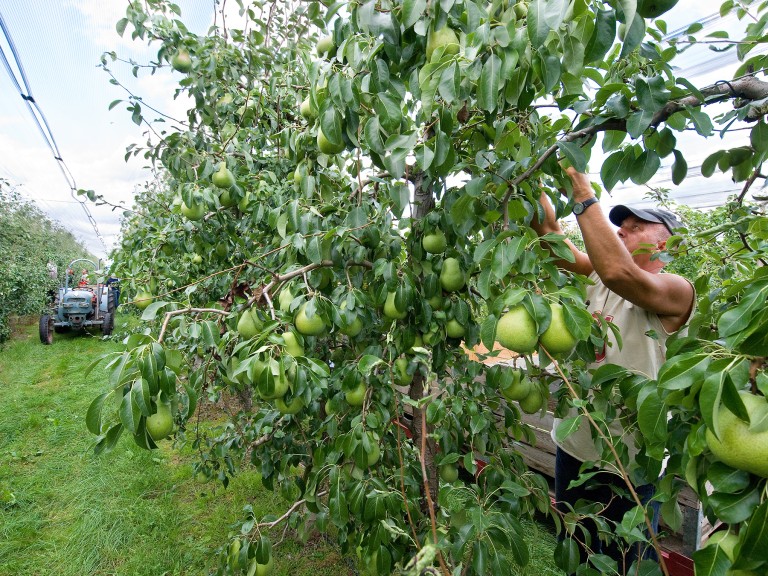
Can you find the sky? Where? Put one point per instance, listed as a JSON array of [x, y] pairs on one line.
[[59, 44]]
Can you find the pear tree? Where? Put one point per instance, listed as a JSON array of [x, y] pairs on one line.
[[422, 134]]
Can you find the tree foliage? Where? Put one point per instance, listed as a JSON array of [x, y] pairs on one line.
[[344, 153], [28, 241]]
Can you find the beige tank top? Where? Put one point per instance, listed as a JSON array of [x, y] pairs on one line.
[[643, 350]]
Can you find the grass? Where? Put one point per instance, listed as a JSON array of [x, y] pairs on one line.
[[130, 512]]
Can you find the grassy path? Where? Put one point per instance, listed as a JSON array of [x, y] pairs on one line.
[[130, 512]]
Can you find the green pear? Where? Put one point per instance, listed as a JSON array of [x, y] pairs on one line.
[[292, 345], [557, 339], [309, 326], [516, 331], [738, 446], [223, 177], [451, 275], [160, 424], [249, 324]]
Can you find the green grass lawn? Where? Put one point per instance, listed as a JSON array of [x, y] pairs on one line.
[[129, 512]]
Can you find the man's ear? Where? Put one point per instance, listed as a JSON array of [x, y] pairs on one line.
[[661, 245]]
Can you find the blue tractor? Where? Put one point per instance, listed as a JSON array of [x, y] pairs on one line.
[[79, 305]]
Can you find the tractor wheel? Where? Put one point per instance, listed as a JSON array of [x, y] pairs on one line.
[[46, 329], [111, 302], [108, 324]]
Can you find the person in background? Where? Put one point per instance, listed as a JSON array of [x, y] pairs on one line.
[[647, 305], [53, 274]]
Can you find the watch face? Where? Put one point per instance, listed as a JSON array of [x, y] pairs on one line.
[[579, 207]]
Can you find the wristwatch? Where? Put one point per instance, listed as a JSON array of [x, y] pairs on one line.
[[579, 207]]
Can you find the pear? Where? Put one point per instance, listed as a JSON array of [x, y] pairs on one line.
[[249, 324], [223, 177], [160, 424], [451, 275]]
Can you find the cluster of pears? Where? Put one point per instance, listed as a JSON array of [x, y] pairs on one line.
[[517, 331], [516, 386]]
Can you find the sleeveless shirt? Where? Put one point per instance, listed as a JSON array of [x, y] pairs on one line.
[[643, 350]]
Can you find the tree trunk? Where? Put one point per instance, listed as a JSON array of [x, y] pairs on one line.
[[424, 202]]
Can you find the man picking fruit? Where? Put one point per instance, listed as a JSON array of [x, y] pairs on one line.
[[646, 305]]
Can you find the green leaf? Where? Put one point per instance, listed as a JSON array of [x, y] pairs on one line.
[[638, 122], [679, 168], [567, 555], [151, 311], [652, 95], [108, 440], [645, 167], [567, 427], [489, 83], [754, 542], [389, 112], [193, 397], [603, 36], [711, 561], [734, 508], [710, 163], [368, 362], [702, 122], [710, 393], [550, 71], [693, 89], [211, 336], [121, 25], [537, 25], [672, 514], [506, 254], [330, 124], [480, 557], [683, 371], [412, 12], [450, 82], [574, 154], [738, 318], [372, 135], [129, 414], [635, 33], [758, 137], [93, 415], [651, 415], [141, 397], [614, 169]]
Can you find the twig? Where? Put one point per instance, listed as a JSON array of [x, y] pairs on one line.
[[288, 513], [172, 313]]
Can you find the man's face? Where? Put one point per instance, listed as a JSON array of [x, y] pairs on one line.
[[639, 234]]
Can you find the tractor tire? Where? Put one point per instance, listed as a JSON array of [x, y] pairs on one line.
[[108, 324], [46, 329], [111, 302]]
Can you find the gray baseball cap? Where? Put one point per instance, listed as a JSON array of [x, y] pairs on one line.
[[619, 213]]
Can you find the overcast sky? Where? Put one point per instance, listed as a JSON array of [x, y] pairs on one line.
[[59, 44]]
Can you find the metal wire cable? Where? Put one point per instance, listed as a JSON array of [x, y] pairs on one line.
[[42, 123]]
